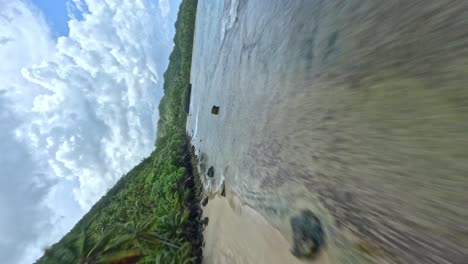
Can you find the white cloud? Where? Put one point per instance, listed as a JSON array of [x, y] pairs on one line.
[[24, 186], [82, 109], [25, 39], [165, 7], [95, 118]]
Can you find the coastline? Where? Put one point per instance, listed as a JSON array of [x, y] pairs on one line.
[[237, 233]]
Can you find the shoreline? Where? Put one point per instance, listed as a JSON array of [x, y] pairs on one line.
[[237, 233]]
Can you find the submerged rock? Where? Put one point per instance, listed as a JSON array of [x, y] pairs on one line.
[[210, 172], [205, 221], [307, 235], [223, 190], [205, 202], [215, 109]]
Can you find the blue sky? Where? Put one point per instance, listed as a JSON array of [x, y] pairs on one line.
[[56, 15]]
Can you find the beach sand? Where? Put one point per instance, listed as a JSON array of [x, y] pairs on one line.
[[236, 233]]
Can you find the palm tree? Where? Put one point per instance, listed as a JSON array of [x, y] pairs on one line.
[[129, 242], [141, 234], [122, 244]]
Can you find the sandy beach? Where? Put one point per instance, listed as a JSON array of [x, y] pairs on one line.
[[236, 233]]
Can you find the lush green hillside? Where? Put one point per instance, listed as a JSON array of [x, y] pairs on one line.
[[143, 217]]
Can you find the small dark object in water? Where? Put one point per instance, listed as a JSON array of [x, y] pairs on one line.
[[223, 190], [307, 234], [205, 221], [205, 201], [215, 110], [210, 172]]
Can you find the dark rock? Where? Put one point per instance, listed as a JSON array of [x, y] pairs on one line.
[[199, 252], [210, 172], [195, 213], [191, 196], [205, 221], [193, 228], [215, 109], [190, 204], [308, 235], [193, 224], [223, 190], [198, 241], [189, 183], [205, 201]]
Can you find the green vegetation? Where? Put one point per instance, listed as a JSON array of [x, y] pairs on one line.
[[143, 217]]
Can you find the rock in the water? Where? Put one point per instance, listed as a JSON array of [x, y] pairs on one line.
[[308, 234], [205, 201], [215, 110], [210, 172], [205, 221], [223, 190]]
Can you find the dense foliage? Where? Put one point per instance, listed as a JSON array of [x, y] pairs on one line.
[[142, 217]]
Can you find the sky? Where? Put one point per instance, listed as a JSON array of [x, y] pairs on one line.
[[80, 81]]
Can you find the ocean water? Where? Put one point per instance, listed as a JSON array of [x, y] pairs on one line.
[[356, 110]]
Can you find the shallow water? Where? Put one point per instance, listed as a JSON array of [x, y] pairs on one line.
[[356, 110]]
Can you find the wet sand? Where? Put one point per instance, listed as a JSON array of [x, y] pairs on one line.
[[236, 233]]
